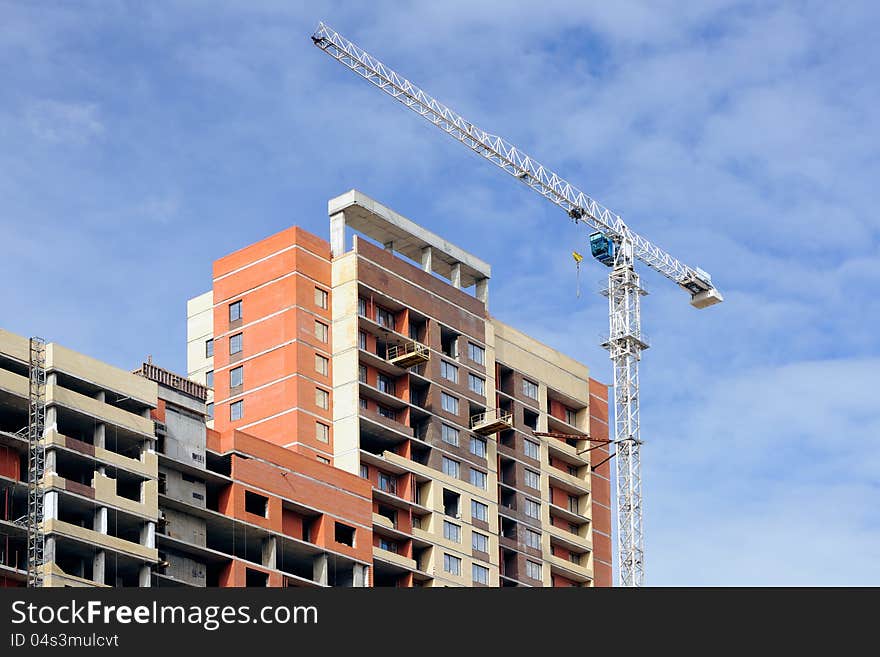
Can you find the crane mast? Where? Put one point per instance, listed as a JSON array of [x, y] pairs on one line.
[[624, 342]]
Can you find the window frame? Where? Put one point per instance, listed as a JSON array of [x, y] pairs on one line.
[[237, 404], [232, 342], [235, 309]]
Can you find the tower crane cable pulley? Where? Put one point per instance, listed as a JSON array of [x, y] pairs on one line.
[[621, 248]]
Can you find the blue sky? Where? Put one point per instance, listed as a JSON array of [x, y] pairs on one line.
[[139, 141]]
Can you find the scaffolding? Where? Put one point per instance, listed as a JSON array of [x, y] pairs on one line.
[[36, 461]]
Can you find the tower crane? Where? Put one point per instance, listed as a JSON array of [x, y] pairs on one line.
[[613, 243]]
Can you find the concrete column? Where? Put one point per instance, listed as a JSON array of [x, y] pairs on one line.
[[101, 396], [337, 234], [100, 435], [51, 421], [99, 563], [51, 464], [269, 552], [49, 549], [320, 569], [456, 275], [360, 576], [50, 505], [148, 534], [428, 259], [100, 520], [483, 290], [144, 576]]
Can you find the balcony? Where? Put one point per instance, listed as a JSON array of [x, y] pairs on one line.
[[491, 421], [408, 354]]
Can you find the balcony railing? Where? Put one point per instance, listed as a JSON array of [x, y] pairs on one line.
[[407, 354], [492, 421]]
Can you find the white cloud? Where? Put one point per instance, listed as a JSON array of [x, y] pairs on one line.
[[64, 122]]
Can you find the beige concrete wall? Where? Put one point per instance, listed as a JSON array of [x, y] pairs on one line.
[[97, 409], [13, 345], [346, 390], [199, 328], [55, 526]]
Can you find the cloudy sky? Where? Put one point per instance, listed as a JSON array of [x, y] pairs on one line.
[[139, 141]]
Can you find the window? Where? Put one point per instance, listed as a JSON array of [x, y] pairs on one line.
[[384, 411], [533, 509], [362, 340], [573, 503], [478, 478], [530, 389], [533, 569], [321, 331], [478, 447], [476, 353], [363, 403], [344, 534], [531, 449], [321, 298], [209, 348], [449, 371], [449, 434], [480, 542], [451, 564], [573, 470], [235, 344], [481, 574], [236, 376], [236, 410], [255, 503], [235, 311], [451, 467], [209, 409], [479, 511], [387, 483], [477, 384], [385, 384], [451, 531], [533, 539], [449, 403], [384, 318], [362, 307], [365, 471], [209, 379], [450, 503], [570, 416], [386, 544], [533, 479], [322, 399], [362, 373], [573, 529], [322, 364], [322, 432]]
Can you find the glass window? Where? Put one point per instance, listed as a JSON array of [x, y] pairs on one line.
[[385, 384], [570, 416], [323, 460], [449, 403], [322, 432], [449, 371], [480, 542], [322, 399], [362, 340], [209, 409], [478, 447], [533, 539], [321, 331], [322, 364], [451, 467], [479, 511], [387, 483], [384, 317], [236, 376], [236, 410], [451, 564], [235, 311], [478, 478], [481, 574], [530, 389], [477, 384], [449, 434], [386, 412], [533, 509], [451, 531], [209, 379], [365, 471], [531, 449], [321, 298], [532, 479], [533, 570], [209, 348], [362, 373], [363, 403], [476, 353], [362, 307], [389, 545], [235, 344]]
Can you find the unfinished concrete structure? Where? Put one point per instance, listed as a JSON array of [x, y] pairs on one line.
[[390, 369]]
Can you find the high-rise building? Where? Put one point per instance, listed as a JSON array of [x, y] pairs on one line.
[[383, 360]]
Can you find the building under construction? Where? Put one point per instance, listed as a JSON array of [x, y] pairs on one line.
[[352, 416]]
